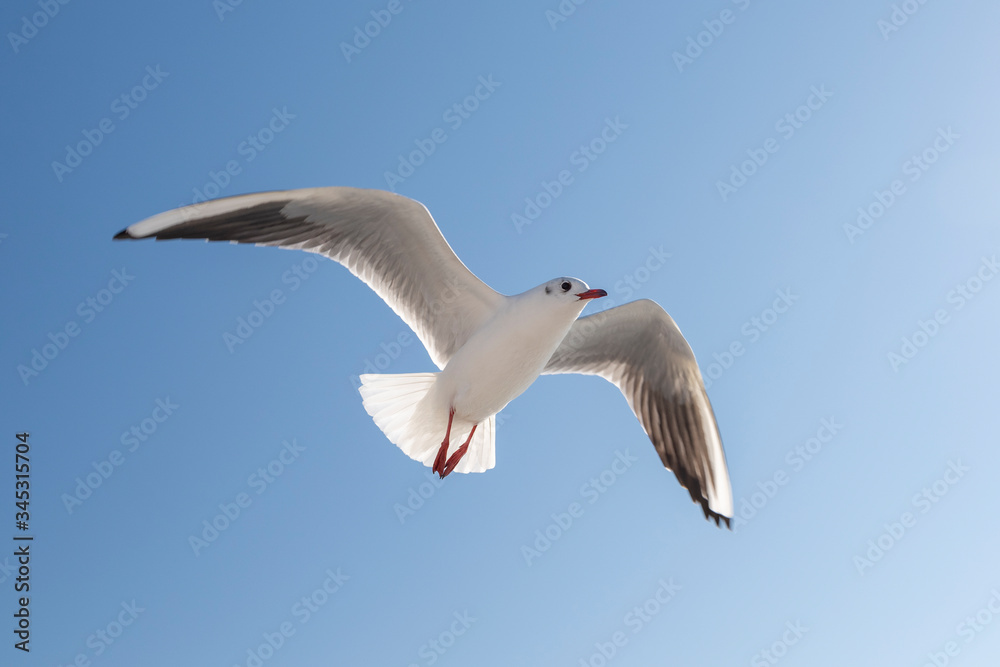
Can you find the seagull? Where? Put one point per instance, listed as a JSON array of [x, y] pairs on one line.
[[489, 347]]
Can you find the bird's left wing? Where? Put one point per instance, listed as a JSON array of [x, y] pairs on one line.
[[639, 349], [388, 241]]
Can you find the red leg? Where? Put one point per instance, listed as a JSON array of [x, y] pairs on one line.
[[459, 453], [442, 455]]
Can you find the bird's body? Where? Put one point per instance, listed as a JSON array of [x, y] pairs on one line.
[[489, 347], [504, 357], [497, 363]]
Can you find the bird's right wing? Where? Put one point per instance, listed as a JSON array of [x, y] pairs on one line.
[[639, 349], [388, 241]]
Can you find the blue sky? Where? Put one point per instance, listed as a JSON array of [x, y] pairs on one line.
[[725, 183]]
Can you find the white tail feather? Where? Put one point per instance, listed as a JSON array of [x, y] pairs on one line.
[[397, 405]]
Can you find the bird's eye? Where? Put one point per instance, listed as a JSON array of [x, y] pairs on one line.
[[565, 286]]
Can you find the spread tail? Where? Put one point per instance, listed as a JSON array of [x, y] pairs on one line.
[[396, 404]]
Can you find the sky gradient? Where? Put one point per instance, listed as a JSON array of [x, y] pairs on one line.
[[810, 190]]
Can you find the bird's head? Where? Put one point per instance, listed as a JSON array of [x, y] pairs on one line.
[[570, 291]]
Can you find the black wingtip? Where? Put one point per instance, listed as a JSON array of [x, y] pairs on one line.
[[712, 515], [123, 234]]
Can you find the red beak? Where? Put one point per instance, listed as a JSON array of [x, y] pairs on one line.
[[592, 294]]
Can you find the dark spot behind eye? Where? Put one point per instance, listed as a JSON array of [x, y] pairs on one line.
[[566, 286], [548, 290]]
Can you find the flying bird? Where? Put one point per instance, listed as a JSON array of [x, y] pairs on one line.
[[489, 347]]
